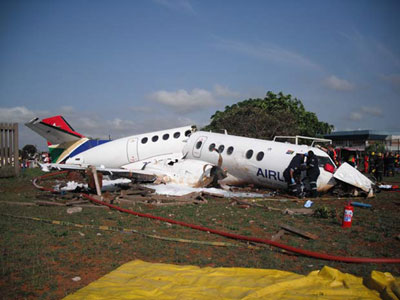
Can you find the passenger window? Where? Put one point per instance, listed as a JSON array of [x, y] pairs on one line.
[[165, 137], [144, 140], [221, 149], [212, 147], [188, 132], [249, 154], [230, 150], [177, 134], [154, 138], [198, 145], [260, 155]]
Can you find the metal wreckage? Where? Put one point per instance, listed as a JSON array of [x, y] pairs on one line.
[[188, 157]]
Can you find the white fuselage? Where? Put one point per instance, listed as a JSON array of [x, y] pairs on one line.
[[131, 149], [264, 167]]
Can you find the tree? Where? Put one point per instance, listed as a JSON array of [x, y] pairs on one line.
[[28, 151], [265, 118]]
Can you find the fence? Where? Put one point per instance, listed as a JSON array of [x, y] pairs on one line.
[[9, 153]]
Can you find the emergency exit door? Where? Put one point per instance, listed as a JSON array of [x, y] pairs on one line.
[[132, 150], [198, 146]]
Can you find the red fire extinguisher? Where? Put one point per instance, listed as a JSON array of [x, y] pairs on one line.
[[348, 216]]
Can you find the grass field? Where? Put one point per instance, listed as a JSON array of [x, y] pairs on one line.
[[38, 260]]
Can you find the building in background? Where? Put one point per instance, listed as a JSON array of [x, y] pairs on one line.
[[359, 140]]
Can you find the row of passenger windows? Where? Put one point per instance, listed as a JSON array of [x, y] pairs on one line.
[[165, 136], [229, 151], [221, 149], [249, 154]]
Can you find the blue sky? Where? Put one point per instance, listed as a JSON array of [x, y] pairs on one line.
[[126, 67]]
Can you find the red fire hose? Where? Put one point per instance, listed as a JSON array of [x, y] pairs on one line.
[[244, 238]]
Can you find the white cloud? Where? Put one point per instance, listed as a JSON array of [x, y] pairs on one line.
[[19, 114], [223, 91], [184, 101], [365, 111], [268, 52], [120, 124], [338, 84], [355, 116], [372, 111], [67, 109]]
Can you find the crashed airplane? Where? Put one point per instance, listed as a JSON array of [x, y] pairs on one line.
[[189, 157]]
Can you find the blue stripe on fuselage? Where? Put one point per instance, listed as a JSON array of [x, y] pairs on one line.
[[87, 145]]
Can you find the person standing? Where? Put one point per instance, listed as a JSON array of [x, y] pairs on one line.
[[366, 163], [379, 167], [352, 160], [391, 162], [292, 174], [372, 159], [312, 172]]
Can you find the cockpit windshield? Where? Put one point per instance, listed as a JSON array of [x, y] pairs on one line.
[[323, 160]]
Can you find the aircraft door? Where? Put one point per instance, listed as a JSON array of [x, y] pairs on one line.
[[198, 146], [132, 150]]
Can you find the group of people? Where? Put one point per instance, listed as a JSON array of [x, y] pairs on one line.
[[307, 162], [379, 164]]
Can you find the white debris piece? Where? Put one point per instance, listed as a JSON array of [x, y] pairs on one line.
[[352, 176], [73, 210], [109, 185], [308, 204], [385, 186], [71, 186], [181, 190], [77, 278]]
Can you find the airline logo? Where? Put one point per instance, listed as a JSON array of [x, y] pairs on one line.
[[270, 174]]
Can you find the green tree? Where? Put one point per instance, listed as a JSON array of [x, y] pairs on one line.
[[28, 151], [377, 147], [276, 114]]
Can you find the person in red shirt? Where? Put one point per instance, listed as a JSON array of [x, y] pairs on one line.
[[366, 163]]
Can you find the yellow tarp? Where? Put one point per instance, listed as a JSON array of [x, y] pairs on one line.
[[142, 280]]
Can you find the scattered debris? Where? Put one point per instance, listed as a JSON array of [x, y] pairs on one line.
[[360, 204], [49, 203], [278, 235], [300, 232], [324, 213], [308, 203], [180, 190], [95, 179], [298, 211], [73, 210]]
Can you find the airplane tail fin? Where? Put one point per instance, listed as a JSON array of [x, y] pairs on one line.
[[60, 122], [58, 133], [55, 130]]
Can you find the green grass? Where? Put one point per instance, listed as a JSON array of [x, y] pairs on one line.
[[39, 260]]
